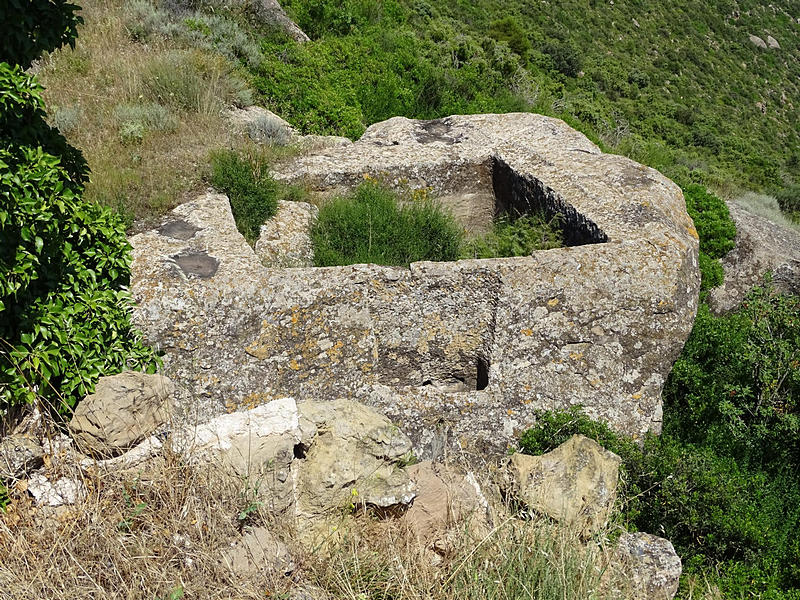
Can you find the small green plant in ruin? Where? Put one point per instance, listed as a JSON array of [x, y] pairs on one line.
[[372, 226], [377, 225]]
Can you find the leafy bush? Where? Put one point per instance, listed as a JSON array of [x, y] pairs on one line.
[[566, 59], [370, 226], [508, 30], [253, 193], [716, 230], [64, 264], [38, 26], [736, 386], [516, 237], [789, 199]]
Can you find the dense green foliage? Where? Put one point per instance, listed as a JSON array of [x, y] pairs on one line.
[[36, 26], [64, 262], [516, 237], [371, 226], [253, 193], [723, 480], [715, 228], [673, 86]]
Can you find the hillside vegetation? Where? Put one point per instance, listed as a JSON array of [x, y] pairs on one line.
[[678, 86]]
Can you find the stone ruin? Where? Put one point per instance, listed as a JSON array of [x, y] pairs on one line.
[[459, 354]]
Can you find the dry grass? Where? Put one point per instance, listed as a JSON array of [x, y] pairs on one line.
[[159, 532], [531, 560], [147, 173], [154, 534]]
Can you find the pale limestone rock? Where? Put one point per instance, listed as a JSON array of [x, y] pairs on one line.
[[575, 484], [258, 551], [758, 42], [123, 410], [761, 246], [255, 446], [445, 498], [285, 240], [598, 323], [773, 43], [64, 490], [649, 565], [271, 13], [19, 454]]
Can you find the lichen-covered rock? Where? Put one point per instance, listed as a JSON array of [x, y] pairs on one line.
[[576, 483], [123, 410], [649, 565], [285, 240], [761, 246], [19, 454], [598, 323], [353, 460]]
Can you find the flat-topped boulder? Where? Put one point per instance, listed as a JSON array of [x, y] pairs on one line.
[[598, 322]]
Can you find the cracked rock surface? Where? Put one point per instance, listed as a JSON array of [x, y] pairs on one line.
[[597, 323]]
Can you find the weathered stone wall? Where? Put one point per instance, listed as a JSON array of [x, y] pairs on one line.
[[455, 353]]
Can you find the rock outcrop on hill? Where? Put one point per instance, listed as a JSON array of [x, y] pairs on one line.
[[761, 246], [596, 323]]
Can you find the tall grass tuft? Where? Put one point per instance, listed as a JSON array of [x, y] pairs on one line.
[[371, 226]]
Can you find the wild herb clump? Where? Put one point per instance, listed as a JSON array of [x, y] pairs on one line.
[[253, 193], [376, 225], [371, 226]]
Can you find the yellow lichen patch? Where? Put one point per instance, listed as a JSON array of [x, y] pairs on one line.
[[693, 232], [527, 332], [293, 365], [636, 396], [552, 302], [335, 351], [576, 355]]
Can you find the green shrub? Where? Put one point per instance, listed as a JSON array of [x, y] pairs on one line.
[[716, 230], [36, 26], [789, 199], [508, 30], [713, 222], [64, 265], [370, 226], [736, 386], [566, 59], [253, 193], [516, 237]]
